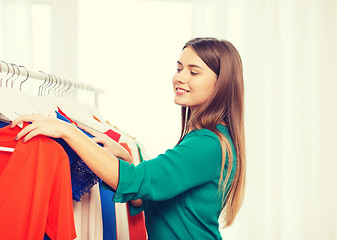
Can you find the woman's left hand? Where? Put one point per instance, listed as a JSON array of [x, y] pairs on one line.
[[40, 125], [109, 145]]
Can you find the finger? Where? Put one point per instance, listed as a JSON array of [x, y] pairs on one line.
[[98, 139], [21, 119], [88, 130], [31, 134], [25, 131]]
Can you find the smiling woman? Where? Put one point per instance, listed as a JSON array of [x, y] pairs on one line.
[[194, 81], [204, 174]]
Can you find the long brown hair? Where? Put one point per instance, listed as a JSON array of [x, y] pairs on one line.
[[225, 105]]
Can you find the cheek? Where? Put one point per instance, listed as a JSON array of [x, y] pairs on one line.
[[211, 85], [207, 90]]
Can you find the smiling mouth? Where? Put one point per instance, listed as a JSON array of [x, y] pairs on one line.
[[180, 90]]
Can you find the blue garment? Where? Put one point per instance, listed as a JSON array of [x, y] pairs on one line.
[[3, 124], [46, 237], [82, 178], [108, 213]]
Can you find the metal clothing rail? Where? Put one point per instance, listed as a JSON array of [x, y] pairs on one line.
[[11, 71]]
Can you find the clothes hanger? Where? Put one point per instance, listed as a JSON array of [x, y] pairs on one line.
[[2, 72], [4, 149], [42, 85], [15, 76], [49, 84], [3, 117], [63, 89], [27, 76], [7, 114], [17, 73], [49, 94], [13, 103], [56, 90], [76, 110], [42, 102], [10, 77], [85, 114]]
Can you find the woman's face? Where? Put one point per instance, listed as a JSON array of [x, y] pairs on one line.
[[194, 81]]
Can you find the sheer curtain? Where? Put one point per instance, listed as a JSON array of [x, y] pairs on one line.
[[16, 32], [288, 52], [40, 35]]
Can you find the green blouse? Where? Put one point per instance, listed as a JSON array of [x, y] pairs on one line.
[[179, 188]]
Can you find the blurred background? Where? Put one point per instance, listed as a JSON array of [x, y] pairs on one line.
[[130, 48]]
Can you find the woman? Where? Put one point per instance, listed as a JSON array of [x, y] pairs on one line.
[[184, 190]]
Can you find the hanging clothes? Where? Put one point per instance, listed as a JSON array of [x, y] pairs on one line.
[[108, 206], [87, 196], [88, 215], [82, 178], [108, 214], [137, 229], [84, 183], [129, 226], [35, 196]]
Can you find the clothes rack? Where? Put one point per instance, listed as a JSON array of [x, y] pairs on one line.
[[10, 70], [94, 214]]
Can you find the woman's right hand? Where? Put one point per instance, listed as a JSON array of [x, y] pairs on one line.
[[40, 125]]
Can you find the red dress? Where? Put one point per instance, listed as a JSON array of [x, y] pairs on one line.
[[35, 189]]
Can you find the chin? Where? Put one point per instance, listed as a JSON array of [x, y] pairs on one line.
[[179, 103]]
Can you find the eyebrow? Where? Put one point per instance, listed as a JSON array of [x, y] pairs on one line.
[[191, 65]]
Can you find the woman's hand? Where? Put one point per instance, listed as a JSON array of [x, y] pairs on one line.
[[41, 125], [114, 148], [109, 145], [102, 163]]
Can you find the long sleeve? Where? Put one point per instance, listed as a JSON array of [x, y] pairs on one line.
[[193, 162]]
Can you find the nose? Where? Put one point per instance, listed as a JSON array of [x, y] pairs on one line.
[[180, 77], [179, 80]]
